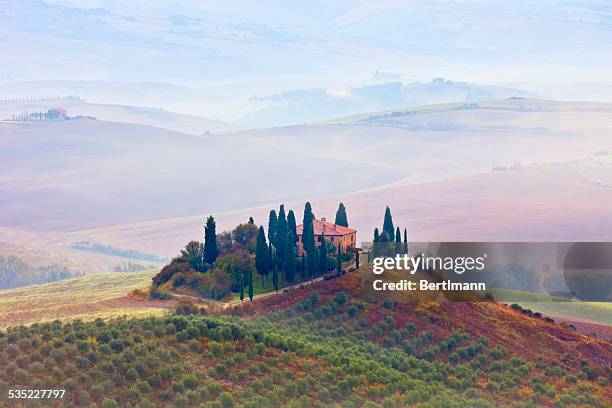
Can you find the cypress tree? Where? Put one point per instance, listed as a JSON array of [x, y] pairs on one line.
[[384, 246], [242, 286], [405, 241], [251, 220], [292, 225], [289, 262], [261, 254], [210, 241], [311, 265], [356, 259], [270, 259], [388, 225], [303, 268], [341, 218], [251, 284], [308, 240], [398, 241], [375, 244], [339, 265], [281, 236], [323, 256], [272, 224], [275, 279]]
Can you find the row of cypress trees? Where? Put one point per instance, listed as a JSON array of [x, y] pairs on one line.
[[277, 253]]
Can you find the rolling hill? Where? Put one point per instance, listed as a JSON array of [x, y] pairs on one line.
[[323, 344], [85, 173], [101, 295], [553, 203], [447, 140], [551, 183], [431, 164], [159, 117]]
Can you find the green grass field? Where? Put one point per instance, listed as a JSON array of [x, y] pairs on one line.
[[87, 297], [597, 312]]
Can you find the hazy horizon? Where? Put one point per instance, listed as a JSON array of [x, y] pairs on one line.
[[275, 77]]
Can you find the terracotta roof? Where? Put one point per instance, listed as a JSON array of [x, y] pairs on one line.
[[326, 228]]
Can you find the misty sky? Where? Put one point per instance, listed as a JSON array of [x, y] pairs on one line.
[[290, 44]]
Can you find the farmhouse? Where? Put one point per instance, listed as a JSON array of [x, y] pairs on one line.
[[57, 113], [336, 234]]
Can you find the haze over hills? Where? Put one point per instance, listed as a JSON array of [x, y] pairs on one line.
[[83, 173], [153, 139], [118, 113], [198, 43], [559, 192], [254, 106], [134, 187], [298, 106], [555, 203], [191, 57], [448, 140]]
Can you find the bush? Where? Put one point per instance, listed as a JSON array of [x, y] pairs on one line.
[[226, 400], [178, 387], [109, 403], [498, 353], [388, 304], [341, 298], [190, 381]]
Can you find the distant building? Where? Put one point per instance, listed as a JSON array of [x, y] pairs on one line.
[[57, 114], [366, 247], [336, 234]]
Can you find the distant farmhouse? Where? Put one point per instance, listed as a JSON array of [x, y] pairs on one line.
[[51, 114], [57, 114], [336, 234]]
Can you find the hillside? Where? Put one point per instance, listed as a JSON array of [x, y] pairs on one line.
[[324, 344], [159, 117], [450, 140], [541, 203], [443, 187], [86, 173], [88, 297]]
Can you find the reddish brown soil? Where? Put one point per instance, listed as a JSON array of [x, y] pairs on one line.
[[527, 337]]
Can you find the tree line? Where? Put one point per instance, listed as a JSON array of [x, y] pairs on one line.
[[273, 254], [14, 273], [390, 239]]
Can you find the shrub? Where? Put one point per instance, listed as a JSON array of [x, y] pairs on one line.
[[214, 389], [166, 395], [178, 387], [96, 391], [143, 387], [190, 381], [341, 298], [226, 400], [498, 353]]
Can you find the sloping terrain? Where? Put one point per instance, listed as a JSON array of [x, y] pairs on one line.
[[542, 203], [108, 175], [85, 173], [531, 338], [330, 343], [159, 117], [449, 140], [88, 297]]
